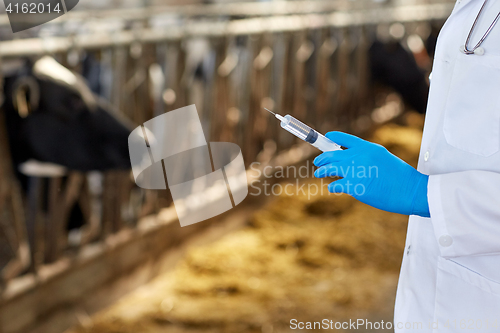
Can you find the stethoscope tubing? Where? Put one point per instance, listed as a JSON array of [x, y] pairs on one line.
[[492, 25]]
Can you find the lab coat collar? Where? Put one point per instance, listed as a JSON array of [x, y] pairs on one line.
[[461, 4]]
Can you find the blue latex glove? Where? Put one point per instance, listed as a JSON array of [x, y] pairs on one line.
[[371, 174]]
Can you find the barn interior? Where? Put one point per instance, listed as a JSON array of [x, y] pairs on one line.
[[85, 247]]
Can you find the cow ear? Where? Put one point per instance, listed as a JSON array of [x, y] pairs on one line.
[[25, 95]]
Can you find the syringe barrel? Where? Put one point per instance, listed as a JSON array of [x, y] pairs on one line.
[[295, 127], [325, 144], [306, 133]]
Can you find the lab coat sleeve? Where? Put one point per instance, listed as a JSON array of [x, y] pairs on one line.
[[465, 212]]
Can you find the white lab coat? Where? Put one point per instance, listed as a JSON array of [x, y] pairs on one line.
[[450, 275]]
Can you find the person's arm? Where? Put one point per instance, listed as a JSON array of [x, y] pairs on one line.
[[465, 210], [464, 206], [371, 174]]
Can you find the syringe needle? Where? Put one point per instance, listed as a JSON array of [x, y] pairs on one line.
[[270, 111], [280, 118]]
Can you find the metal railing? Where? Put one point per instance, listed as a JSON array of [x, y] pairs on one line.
[[217, 10], [252, 26], [240, 9]]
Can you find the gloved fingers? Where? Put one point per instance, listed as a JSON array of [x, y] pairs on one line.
[[344, 139], [339, 186], [331, 170], [331, 156]]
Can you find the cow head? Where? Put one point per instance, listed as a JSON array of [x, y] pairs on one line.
[[52, 116]]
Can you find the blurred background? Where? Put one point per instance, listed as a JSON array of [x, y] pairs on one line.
[[83, 249]]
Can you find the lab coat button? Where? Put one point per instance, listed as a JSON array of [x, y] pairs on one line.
[[426, 156], [445, 240], [479, 51]]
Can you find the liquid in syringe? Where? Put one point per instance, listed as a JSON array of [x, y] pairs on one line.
[[306, 133]]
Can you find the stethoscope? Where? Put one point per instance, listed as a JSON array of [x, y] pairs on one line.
[[478, 50]]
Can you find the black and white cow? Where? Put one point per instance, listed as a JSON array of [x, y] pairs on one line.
[[52, 116], [54, 124]]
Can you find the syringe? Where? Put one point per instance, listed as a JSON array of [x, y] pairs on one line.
[[306, 133]]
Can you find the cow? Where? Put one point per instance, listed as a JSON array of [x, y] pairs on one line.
[[55, 124], [391, 64], [52, 116]]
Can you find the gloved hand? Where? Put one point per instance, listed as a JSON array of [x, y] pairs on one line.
[[374, 176]]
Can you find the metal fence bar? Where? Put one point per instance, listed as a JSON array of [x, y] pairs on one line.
[[40, 46], [243, 9]]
